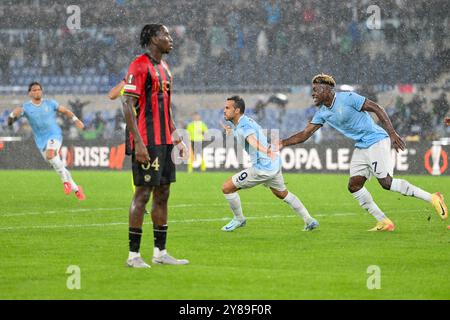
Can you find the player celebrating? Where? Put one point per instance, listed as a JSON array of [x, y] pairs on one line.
[[347, 112], [41, 114], [148, 92], [266, 167]]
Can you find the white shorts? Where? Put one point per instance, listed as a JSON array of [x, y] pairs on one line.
[[251, 177], [52, 144], [374, 161]]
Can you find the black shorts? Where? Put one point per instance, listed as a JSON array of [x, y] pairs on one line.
[[160, 170]]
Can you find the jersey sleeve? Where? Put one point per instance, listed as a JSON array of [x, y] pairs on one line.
[[246, 130], [54, 104], [355, 100], [135, 80], [317, 118]]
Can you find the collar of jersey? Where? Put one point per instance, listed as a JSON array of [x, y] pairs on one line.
[[37, 105], [332, 103], [240, 120]]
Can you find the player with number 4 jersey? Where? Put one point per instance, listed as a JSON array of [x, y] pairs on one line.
[[265, 169], [153, 136]]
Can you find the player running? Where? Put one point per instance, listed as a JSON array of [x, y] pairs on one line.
[[265, 169], [41, 114], [347, 112], [148, 90]]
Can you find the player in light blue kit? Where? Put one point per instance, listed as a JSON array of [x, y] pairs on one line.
[[347, 112], [265, 169], [41, 115]]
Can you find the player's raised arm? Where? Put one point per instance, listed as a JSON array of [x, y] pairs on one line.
[[301, 136], [14, 115], [70, 115], [386, 123], [130, 118], [114, 93]]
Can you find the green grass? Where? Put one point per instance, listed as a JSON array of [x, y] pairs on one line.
[[42, 232]]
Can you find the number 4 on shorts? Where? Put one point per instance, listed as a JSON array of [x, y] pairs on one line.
[[155, 164]]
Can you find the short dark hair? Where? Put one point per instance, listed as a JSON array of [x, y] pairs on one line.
[[149, 31], [34, 83], [238, 103]]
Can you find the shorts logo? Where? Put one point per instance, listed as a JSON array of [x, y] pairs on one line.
[[147, 178]]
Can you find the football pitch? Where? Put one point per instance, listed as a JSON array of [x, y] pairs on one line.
[[43, 232]]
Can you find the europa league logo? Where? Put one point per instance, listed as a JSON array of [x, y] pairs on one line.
[[436, 153]]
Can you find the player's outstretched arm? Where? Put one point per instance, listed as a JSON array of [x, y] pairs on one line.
[[301, 136], [114, 93], [14, 115], [386, 123], [141, 152], [251, 139], [70, 115]]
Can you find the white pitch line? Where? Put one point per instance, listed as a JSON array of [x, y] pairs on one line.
[[185, 205], [18, 214], [173, 221], [182, 205]]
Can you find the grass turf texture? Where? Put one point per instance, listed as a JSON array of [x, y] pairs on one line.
[[42, 232]]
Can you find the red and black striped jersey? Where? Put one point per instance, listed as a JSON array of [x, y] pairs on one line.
[[151, 83]]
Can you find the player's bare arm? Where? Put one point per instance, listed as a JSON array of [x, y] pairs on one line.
[[385, 122], [114, 93], [70, 115], [251, 139], [130, 118], [301, 136], [14, 115]]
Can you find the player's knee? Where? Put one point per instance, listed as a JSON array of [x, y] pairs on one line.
[[280, 194], [226, 188], [354, 187], [161, 195], [386, 183], [143, 196], [164, 196]]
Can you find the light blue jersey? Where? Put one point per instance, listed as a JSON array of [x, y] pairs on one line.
[[245, 127], [345, 116], [42, 120]]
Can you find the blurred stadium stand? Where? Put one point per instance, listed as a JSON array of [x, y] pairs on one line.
[[225, 43]]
